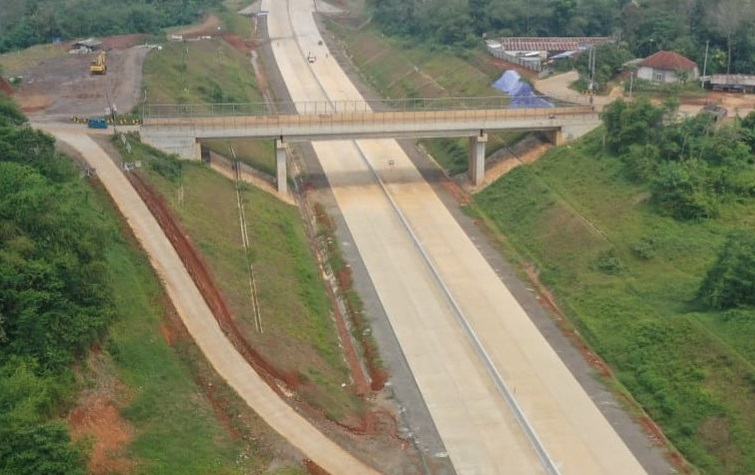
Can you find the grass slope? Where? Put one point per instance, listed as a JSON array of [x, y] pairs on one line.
[[176, 430], [298, 331], [207, 71], [627, 277], [397, 69]]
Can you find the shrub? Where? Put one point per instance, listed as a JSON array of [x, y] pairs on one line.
[[730, 282]]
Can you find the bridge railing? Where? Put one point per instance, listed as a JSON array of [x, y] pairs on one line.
[[386, 122], [501, 102]]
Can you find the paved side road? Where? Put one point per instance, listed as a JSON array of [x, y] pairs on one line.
[[202, 325]]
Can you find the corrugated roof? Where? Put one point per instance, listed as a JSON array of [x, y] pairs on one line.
[[550, 43], [669, 61], [89, 43]]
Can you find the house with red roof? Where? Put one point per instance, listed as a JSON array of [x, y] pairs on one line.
[[667, 66]]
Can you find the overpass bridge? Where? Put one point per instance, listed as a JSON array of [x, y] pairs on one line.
[[180, 128]]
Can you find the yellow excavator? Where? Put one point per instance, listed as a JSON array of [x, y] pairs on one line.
[[99, 64]]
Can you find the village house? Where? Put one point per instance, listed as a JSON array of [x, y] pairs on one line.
[[667, 67]]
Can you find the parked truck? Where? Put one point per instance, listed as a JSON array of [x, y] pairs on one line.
[[97, 123], [99, 64]]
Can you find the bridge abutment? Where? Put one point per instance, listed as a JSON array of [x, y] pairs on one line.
[[185, 146], [476, 167], [280, 166]]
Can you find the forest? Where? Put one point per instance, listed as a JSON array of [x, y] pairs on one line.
[[55, 299], [27, 22], [644, 26]]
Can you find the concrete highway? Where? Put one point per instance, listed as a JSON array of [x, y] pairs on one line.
[[413, 257]]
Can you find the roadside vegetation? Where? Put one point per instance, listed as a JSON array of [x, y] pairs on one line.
[[644, 232], [89, 382], [399, 69]]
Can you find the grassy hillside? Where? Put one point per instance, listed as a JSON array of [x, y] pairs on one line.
[[207, 71], [397, 70], [298, 334], [627, 277], [177, 427]]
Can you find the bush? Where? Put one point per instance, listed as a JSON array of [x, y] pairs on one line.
[[608, 263], [730, 282]]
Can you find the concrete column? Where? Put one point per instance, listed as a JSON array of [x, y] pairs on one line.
[[197, 150], [280, 166], [476, 167], [556, 137]]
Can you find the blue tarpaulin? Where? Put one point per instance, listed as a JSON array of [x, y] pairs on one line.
[[521, 93]]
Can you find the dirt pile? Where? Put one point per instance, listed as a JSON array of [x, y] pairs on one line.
[[6, 87]]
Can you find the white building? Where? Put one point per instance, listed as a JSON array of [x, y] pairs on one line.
[[667, 66]]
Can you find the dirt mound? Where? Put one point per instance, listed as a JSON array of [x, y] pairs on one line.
[[209, 24], [238, 43], [122, 42], [6, 87], [97, 418]]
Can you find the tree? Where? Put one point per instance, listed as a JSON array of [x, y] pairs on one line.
[[748, 131], [44, 448], [686, 190], [609, 58], [728, 17], [629, 123], [730, 282]]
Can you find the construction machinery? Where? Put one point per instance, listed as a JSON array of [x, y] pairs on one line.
[[99, 64]]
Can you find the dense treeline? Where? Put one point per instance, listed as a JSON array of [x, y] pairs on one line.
[[645, 26], [55, 300], [28, 22]]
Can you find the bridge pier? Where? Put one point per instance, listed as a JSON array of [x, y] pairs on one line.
[[476, 168], [556, 137], [280, 166]]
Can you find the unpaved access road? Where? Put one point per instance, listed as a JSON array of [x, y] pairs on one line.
[[558, 86], [199, 320]]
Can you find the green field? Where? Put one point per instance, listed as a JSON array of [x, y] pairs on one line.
[[398, 69], [627, 277]]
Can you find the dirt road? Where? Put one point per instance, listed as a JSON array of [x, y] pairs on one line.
[[742, 104], [200, 322]]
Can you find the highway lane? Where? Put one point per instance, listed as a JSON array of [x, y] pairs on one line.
[[479, 431], [453, 379]]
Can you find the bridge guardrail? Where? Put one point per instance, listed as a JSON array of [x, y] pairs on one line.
[[501, 102], [273, 125]]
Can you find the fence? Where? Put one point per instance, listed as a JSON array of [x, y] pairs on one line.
[[535, 64]]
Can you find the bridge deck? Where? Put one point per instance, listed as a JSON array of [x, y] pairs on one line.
[[341, 125]]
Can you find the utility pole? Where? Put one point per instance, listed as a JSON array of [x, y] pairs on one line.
[[705, 64], [591, 67], [631, 82]]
